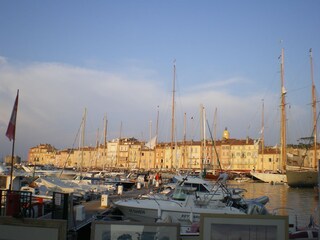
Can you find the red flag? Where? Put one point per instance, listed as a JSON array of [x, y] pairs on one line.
[[11, 130]]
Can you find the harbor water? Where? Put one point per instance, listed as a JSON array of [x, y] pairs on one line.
[[297, 203]]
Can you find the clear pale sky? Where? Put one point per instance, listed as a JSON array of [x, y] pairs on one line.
[[116, 58]]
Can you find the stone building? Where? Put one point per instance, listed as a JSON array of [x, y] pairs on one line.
[[129, 153], [16, 160], [42, 154]]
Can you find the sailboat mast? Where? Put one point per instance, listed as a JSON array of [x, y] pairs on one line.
[[82, 138], [262, 134], [118, 146], [314, 110], [157, 127], [105, 140], [204, 139], [173, 111], [150, 143], [184, 140], [283, 117], [201, 138], [105, 130], [157, 132], [97, 149], [215, 134]]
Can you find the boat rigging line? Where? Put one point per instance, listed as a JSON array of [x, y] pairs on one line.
[[214, 147]]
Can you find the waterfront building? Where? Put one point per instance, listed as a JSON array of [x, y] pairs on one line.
[[42, 154], [147, 158], [64, 158], [269, 160], [159, 156], [193, 155], [101, 156], [134, 156], [123, 155], [129, 153], [169, 155], [112, 153], [83, 158], [8, 160], [244, 154]]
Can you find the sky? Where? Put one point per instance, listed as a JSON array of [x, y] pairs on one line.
[[116, 60]]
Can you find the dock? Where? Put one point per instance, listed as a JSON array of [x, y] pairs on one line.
[[78, 228]]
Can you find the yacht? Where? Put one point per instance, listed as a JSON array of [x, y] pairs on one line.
[[188, 200]]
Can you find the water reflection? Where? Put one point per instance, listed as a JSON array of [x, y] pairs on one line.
[[289, 201]]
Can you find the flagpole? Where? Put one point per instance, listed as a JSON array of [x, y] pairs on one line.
[[11, 134], [11, 171]]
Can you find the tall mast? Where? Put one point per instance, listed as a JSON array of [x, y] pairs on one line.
[[156, 140], [105, 130], [82, 138], [201, 137], [215, 132], [157, 126], [314, 110], [262, 135], [105, 140], [150, 134], [173, 111], [150, 143], [118, 146], [97, 149], [184, 140], [204, 139], [283, 117]]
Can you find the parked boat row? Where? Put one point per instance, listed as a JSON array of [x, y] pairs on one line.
[[182, 201], [191, 197]]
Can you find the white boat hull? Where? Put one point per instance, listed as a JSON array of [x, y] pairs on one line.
[[270, 177], [147, 210]]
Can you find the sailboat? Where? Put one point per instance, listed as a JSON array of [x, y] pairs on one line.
[[279, 176], [307, 177]]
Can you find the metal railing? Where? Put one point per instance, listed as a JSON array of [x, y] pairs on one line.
[[16, 203]]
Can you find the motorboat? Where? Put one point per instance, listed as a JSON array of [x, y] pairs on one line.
[[185, 204], [36, 171], [204, 187]]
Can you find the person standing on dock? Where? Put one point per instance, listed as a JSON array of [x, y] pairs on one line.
[[160, 179], [146, 180], [157, 179]]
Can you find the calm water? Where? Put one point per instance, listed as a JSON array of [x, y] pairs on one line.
[[302, 201]]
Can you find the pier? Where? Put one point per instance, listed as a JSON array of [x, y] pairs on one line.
[[72, 218]]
